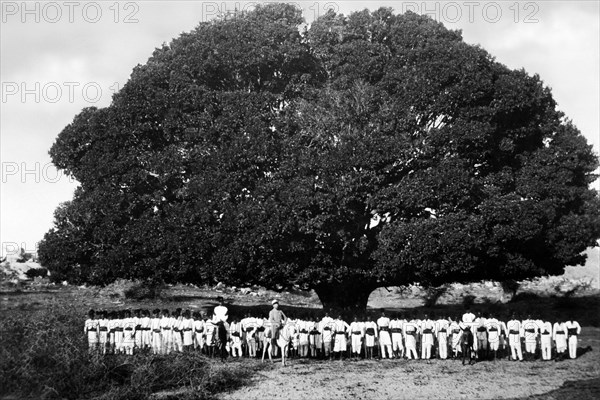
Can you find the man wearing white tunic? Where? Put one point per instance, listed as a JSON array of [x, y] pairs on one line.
[[235, 332], [504, 346], [370, 336], [546, 340], [115, 332], [531, 331], [480, 344], [494, 330], [427, 332], [137, 318], [220, 312], [573, 329], [119, 334], [91, 329], [156, 332], [411, 330], [177, 321], [198, 326], [110, 336], [455, 334], [314, 338], [442, 326], [559, 335], [103, 333], [468, 317], [385, 341], [146, 330], [219, 321], [326, 329], [340, 328], [128, 341], [515, 332], [303, 342], [187, 331], [396, 330], [249, 326], [357, 331], [166, 330]]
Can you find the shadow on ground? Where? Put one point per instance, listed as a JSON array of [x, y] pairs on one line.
[[585, 389]]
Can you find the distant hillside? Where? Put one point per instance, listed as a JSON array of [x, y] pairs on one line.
[[574, 277], [591, 269], [16, 270]]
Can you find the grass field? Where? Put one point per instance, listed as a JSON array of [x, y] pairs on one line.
[[43, 354]]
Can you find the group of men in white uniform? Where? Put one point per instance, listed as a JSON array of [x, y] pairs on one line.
[[535, 336], [123, 332], [164, 332]]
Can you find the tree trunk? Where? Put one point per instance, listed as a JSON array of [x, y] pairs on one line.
[[348, 297]]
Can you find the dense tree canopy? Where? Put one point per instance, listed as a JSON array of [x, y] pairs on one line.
[[369, 150]]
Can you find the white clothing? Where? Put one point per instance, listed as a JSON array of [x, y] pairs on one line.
[[468, 317], [220, 314], [411, 330], [427, 332], [357, 331], [546, 340], [442, 329], [573, 330], [326, 329], [515, 332], [559, 335], [91, 327], [370, 333], [396, 330], [340, 328]]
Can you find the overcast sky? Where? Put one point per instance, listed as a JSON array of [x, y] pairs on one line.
[[59, 57]]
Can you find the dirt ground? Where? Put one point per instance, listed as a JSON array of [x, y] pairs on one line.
[[449, 379]]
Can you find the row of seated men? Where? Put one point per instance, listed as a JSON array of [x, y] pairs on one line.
[[162, 332]]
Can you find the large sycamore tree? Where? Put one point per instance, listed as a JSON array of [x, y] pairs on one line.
[[369, 150]]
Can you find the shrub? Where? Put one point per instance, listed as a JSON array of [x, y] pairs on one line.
[[433, 294], [7, 274], [43, 354], [145, 290], [116, 289], [32, 273], [510, 286], [525, 296], [468, 300]]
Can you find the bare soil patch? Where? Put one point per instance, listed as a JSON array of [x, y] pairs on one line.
[[438, 379]]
